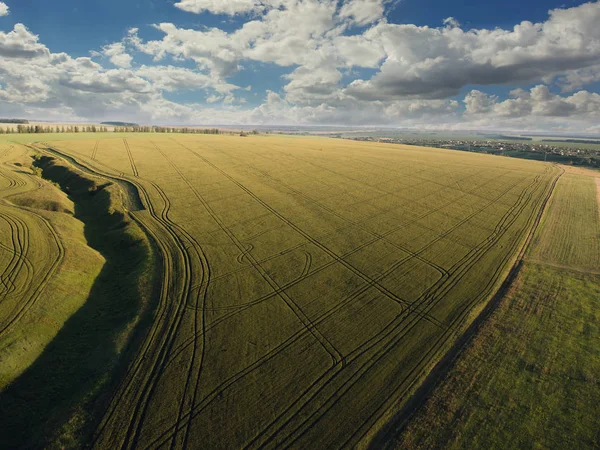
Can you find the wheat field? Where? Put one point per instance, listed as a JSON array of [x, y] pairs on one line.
[[308, 283], [305, 285]]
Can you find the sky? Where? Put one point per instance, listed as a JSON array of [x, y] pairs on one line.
[[429, 64]]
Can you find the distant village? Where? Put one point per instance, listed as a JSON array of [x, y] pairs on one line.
[[567, 153]]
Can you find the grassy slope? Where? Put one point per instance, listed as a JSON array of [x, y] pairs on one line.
[[86, 313], [529, 379]]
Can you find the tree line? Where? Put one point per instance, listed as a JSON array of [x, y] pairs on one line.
[[158, 129], [33, 129]]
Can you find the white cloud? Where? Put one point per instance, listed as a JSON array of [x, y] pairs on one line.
[[117, 55], [477, 102], [21, 43], [576, 79], [451, 22], [416, 69], [538, 102], [4, 11], [438, 62], [230, 7], [171, 78], [33, 79], [418, 62], [363, 12], [360, 12]]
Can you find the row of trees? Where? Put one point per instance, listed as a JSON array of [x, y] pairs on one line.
[[32, 129], [157, 129]]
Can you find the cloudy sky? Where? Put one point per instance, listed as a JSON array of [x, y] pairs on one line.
[[451, 64]]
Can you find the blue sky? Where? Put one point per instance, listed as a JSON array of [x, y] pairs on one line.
[[416, 63], [78, 26]]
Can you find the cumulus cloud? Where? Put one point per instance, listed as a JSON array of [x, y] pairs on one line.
[[363, 12], [171, 78], [117, 55], [414, 62], [360, 12], [34, 79], [537, 102], [438, 62], [4, 11], [576, 79], [305, 33], [230, 7], [410, 74], [21, 43]]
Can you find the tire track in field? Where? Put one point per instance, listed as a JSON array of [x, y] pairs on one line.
[[464, 269], [20, 247], [347, 220], [448, 231], [307, 265], [131, 161], [231, 381], [30, 299], [353, 251], [243, 374], [358, 225], [242, 256], [345, 301], [386, 292], [355, 354], [335, 355], [135, 429], [6, 151], [14, 182], [199, 312], [530, 230], [95, 150]]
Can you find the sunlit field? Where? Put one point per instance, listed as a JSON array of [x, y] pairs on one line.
[[304, 286]]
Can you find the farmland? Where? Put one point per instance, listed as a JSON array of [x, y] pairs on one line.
[[301, 287], [534, 364]]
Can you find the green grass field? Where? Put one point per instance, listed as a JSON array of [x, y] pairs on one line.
[[306, 286], [529, 378]]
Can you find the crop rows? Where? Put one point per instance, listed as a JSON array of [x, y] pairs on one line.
[[307, 284]]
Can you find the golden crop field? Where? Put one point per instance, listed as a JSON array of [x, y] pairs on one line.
[[306, 285], [307, 282]]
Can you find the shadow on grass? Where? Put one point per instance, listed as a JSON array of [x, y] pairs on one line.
[[58, 399]]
